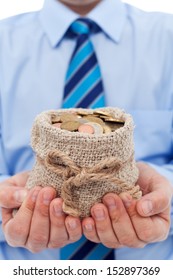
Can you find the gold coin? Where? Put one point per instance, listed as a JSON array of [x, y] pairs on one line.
[[82, 113], [107, 116], [93, 119], [111, 119], [70, 125], [106, 129], [68, 117], [102, 113], [82, 120]]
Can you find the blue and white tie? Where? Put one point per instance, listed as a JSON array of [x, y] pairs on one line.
[[84, 89], [83, 85]]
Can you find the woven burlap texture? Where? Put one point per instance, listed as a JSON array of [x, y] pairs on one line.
[[83, 167]]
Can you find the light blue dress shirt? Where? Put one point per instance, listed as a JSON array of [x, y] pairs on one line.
[[135, 52]]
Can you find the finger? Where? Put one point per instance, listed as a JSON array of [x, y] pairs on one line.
[[17, 228], [156, 189], [19, 179], [154, 202], [74, 228], [89, 230], [39, 231], [161, 224], [121, 222], [103, 225], [12, 197], [58, 233], [148, 229]]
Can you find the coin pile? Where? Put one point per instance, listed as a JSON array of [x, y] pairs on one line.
[[98, 122]]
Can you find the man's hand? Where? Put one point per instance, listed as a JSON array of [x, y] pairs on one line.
[[12, 192], [119, 221], [123, 221], [40, 222]]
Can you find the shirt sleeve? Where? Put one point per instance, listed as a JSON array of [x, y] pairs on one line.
[[166, 170]]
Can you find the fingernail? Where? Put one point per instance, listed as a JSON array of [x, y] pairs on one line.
[[127, 199], [147, 207], [34, 195], [20, 195], [88, 227], [110, 203], [72, 224], [99, 214], [47, 197], [57, 210]]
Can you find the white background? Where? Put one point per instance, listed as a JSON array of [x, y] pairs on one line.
[[12, 7], [102, 267]]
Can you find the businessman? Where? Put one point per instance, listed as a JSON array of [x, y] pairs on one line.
[[134, 53]]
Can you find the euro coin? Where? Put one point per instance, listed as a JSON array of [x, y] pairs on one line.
[[106, 129], [86, 128], [111, 119], [70, 125], [68, 117], [96, 122], [98, 129], [93, 119]]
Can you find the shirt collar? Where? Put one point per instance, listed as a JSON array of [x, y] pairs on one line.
[[55, 18]]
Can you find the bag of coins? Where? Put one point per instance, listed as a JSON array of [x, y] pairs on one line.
[[84, 154]]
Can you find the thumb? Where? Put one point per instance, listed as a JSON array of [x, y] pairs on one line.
[[153, 203], [12, 197], [157, 191]]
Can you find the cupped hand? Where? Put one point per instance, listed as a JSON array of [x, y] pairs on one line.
[[122, 221], [12, 191], [40, 222]]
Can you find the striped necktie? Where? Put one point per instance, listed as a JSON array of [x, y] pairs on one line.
[[83, 86], [84, 89]]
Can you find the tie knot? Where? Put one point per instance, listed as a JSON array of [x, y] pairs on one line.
[[81, 26]]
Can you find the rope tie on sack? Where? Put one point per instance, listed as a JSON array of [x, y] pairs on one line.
[[75, 176]]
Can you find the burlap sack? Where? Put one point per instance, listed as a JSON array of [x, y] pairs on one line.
[[83, 167]]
